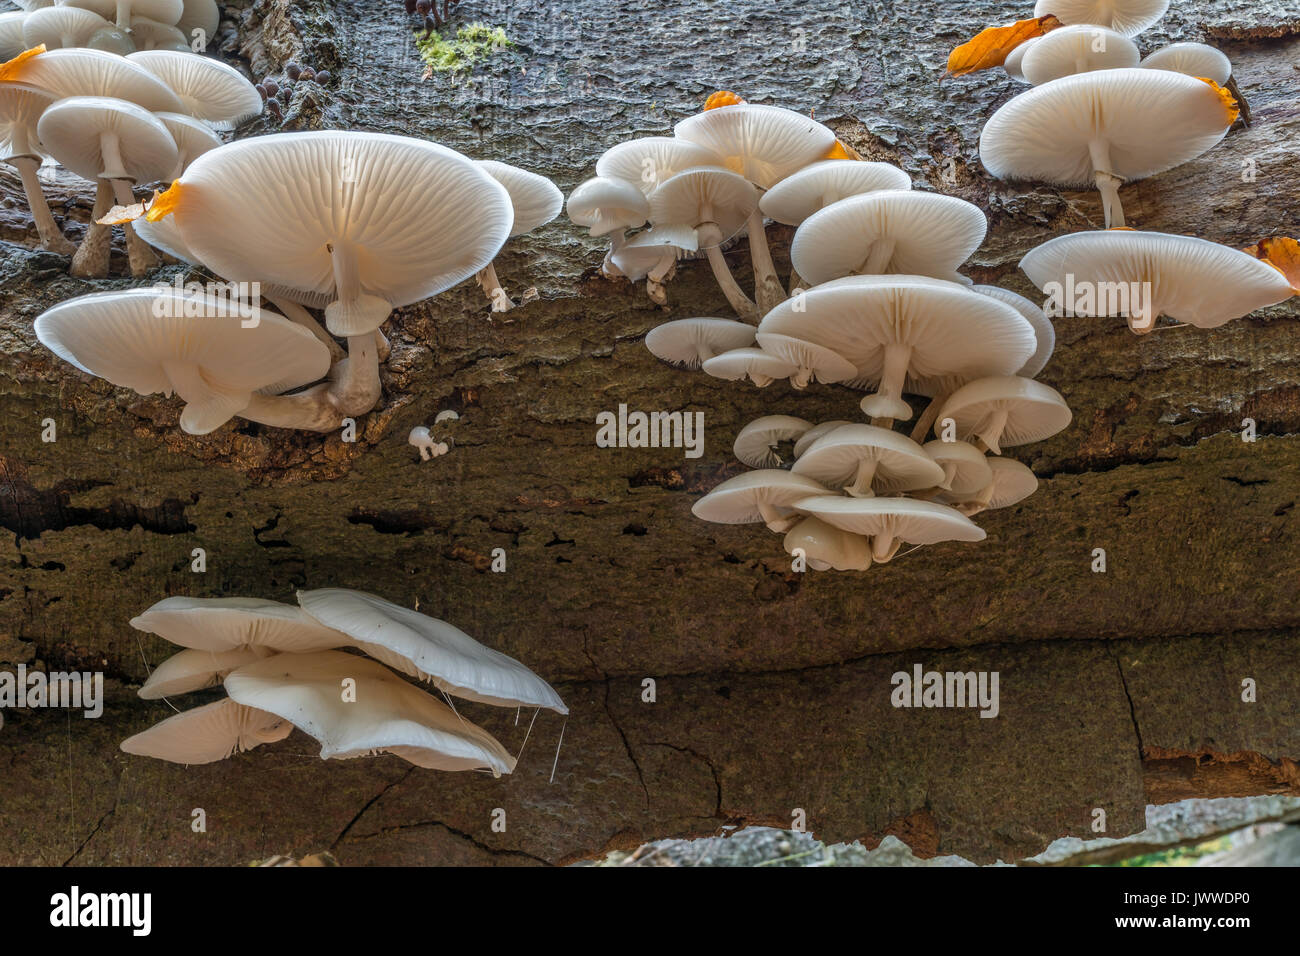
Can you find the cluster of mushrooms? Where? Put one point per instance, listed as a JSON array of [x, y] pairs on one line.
[[286, 666], [354, 224], [875, 301], [116, 26], [1100, 114], [115, 121]]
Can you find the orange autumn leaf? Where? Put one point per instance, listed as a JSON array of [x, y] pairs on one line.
[[842, 151], [1282, 253], [990, 47], [722, 98], [164, 204], [1229, 101], [12, 70]]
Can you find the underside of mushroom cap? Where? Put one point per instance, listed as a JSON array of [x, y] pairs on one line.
[[99, 137], [888, 232], [1143, 275], [224, 624], [387, 715], [814, 187], [191, 670], [51, 26], [121, 11], [755, 444], [1129, 17], [395, 219], [817, 431], [208, 89], [202, 15], [896, 462], [209, 733], [82, 72], [762, 143], [607, 205], [161, 340], [1081, 48], [904, 519], [21, 107], [535, 199], [814, 361], [430, 649], [1016, 58], [11, 34], [742, 500], [708, 194], [966, 468], [646, 251], [1192, 59], [1012, 483], [652, 160], [1147, 120], [1006, 410], [1044, 331], [193, 138], [687, 343], [762, 367]]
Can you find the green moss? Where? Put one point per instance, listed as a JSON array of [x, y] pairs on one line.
[[471, 44], [1178, 856]]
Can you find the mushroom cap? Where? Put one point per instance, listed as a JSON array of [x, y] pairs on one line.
[[1044, 330], [1034, 411], [1081, 48], [224, 624], [952, 330], [734, 365], [82, 72], [827, 547], [193, 138], [906, 519], [11, 34], [207, 88], [764, 144], [1012, 483], [72, 130], [826, 365], [416, 217], [164, 235], [202, 15], [1152, 120], [535, 199], [933, 235], [209, 733], [607, 205], [652, 160], [50, 25], [1012, 64], [21, 107], [192, 669], [1129, 17], [1191, 280], [430, 649], [388, 715], [968, 465], [738, 500], [901, 464], [1193, 59], [637, 257], [687, 343], [207, 356], [814, 433], [756, 442], [151, 35], [702, 195], [814, 187], [165, 11]]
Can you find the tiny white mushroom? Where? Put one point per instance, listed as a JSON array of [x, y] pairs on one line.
[[756, 444], [208, 734]]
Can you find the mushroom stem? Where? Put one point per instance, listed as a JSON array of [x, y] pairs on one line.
[[884, 547], [52, 238], [767, 287], [353, 312], [711, 238], [143, 258], [355, 387], [491, 286], [882, 250], [92, 256], [299, 315], [1107, 183], [382, 346], [991, 434], [928, 417], [309, 410], [861, 487], [887, 403]]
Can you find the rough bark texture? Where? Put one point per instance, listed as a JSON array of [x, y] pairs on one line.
[[1117, 689]]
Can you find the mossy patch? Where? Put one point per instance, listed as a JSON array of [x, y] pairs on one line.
[[471, 44]]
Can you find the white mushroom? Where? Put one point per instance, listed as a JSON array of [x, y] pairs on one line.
[[828, 548], [865, 460], [1005, 410], [652, 255], [208, 734], [688, 343], [1192, 59], [965, 468], [59, 27], [649, 162], [891, 522], [21, 107], [535, 201], [208, 89], [1044, 331], [756, 444], [762, 368], [11, 34], [813, 188], [1009, 483], [381, 714], [429, 447], [767, 495], [429, 649], [607, 206], [218, 625], [192, 669], [82, 72], [121, 11], [1129, 17], [193, 138], [1082, 48]]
